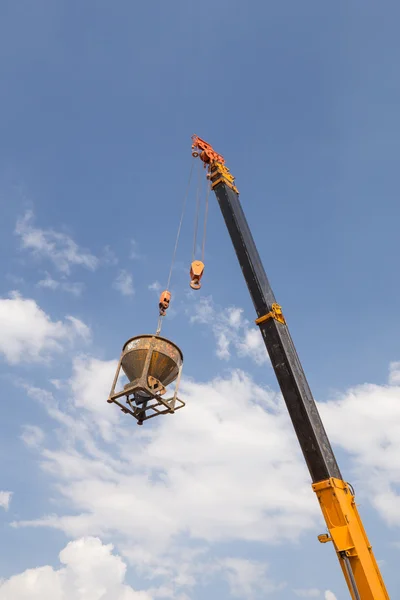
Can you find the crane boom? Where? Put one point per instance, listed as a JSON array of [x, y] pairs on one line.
[[336, 497]]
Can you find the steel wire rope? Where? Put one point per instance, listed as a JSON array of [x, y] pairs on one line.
[[180, 226], [159, 325], [205, 222], [197, 212]]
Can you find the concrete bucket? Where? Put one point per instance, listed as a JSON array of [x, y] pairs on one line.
[[150, 363], [163, 364]]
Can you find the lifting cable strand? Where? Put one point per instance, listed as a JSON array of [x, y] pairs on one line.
[[180, 226], [160, 318], [159, 325], [196, 216], [205, 222]]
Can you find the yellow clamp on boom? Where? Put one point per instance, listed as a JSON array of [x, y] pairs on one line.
[[276, 313], [222, 175]]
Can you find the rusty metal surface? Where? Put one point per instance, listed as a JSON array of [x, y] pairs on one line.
[[166, 358], [150, 363]]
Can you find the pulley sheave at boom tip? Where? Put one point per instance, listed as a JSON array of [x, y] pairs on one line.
[[200, 148]]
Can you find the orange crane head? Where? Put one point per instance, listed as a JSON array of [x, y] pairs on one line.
[[205, 151]]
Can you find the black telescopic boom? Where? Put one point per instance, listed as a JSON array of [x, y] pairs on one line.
[[300, 403]]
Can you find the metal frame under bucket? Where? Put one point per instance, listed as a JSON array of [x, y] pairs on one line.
[[144, 395]]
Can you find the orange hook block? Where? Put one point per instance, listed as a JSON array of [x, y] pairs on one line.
[[165, 298], [196, 273]]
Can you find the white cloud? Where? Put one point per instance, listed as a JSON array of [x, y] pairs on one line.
[[32, 435], [89, 571], [5, 499], [330, 595], [252, 345], [231, 330], [155, 287], [28, 334], [247, 578], [16, 280], [168, 492], [365, 421], [74, 288], [109, 257], [48, 282], [57, 383], [78, 327], [308, 593], [394, 373], [59, 248], [134, 255], [90, 385], [124, 283], [198, 465], [202, 469]]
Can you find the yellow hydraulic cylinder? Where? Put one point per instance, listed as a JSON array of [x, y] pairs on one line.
[[347, 533]]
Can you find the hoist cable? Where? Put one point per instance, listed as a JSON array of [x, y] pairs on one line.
[[197, 212], [159, 325], [180, 226], [160, 318], [205, 223]]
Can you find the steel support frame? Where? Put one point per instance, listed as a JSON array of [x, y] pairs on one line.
[[151, 407]]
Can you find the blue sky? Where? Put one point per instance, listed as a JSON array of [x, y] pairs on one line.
[[99, 101]]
